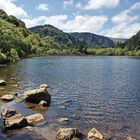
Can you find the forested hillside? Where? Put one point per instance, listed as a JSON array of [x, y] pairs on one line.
[[134, 42], [16, 41], [73, 39]]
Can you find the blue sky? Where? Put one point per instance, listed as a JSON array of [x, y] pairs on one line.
[[113, 18]]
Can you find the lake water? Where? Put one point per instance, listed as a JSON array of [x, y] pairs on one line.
[[105, 94]]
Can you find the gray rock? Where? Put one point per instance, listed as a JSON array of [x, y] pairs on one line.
[[12, 119], [2, 83], [7, 97], [95, 135], [36, 95], [129, 138], [34, 119], [68, 134], [63, 120], [44, 86]]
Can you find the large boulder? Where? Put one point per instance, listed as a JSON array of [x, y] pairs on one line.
[[34, 119], [7, 97], [95, 135], [68, 134], [36, 95], [2, 83], [13, 119]]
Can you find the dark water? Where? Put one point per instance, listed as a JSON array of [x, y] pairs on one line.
[[105, 94]]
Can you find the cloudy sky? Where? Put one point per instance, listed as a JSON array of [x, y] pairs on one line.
[[113, 18]]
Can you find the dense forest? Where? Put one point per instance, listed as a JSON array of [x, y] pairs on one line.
[[16, 41]]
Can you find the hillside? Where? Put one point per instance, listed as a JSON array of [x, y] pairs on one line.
[[72, 39], [16, 41], [93, 40], [134, 42], [50, 31]]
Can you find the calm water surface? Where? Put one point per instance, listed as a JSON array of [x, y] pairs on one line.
[[105, 94]]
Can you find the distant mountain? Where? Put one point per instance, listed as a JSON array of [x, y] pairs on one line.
[[93, 40], [73, 39], [134, 42], [121, 40], [50, 31]]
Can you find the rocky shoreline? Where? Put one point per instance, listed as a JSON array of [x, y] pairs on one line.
[[13, 119]]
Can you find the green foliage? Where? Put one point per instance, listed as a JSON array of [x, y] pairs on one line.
[[16, 41], [2, 57], [14, 55]]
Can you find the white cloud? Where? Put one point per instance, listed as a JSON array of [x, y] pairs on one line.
[[42, 7], [135, 6], [98, 4], [79, 5], [85, 23], [56, 20], [123, 30], [124, 17], [11, 9], [68, 3], [125, 24], [80, 23]]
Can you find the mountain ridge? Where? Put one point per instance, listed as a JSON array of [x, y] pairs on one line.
[[75, 38]]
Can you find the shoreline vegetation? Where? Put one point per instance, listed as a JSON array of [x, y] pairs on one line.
[[70, 52], [17, 41]]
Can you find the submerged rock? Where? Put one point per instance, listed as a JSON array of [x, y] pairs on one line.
[[7, 97], [36, 95], [129, 138], [43, 103], [68, 134], [34, 119], [95, 135], [66, 101], [77, 117], [44, 86], [63, 120], [2, 83], [13, 119]]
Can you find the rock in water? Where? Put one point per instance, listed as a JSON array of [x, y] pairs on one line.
[[43, 103], [7, 97], [12, 119], [66, 101], [129, 138], [68, 134], [34, 119], [2, 83], [36, 95], [63, 120], [95, 135], [44, 86]]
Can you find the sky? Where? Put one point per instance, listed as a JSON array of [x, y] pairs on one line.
[[112, 18]]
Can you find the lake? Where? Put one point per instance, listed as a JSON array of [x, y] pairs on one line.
[[105, 94]]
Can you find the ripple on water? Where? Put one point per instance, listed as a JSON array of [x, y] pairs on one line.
[[104, 93]]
